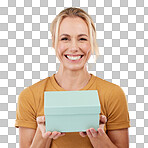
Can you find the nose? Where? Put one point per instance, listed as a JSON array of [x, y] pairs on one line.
[[73, 45]]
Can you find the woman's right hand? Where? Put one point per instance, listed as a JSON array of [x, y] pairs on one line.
[[41, 126]]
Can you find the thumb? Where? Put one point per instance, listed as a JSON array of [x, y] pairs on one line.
[[101, 126], [40, 119], [103, 119]]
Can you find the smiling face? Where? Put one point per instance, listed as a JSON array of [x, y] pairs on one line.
[[73, 49]]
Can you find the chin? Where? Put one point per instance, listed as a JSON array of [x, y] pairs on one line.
[[74, 67]]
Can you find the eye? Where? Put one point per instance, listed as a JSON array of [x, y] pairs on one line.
[[64, 39], [83, 39]]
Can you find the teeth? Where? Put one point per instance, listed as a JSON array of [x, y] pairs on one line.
[[74, 58]]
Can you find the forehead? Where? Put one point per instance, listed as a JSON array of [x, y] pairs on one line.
[[74, 25]]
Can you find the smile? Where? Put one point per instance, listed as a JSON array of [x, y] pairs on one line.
[[74, 57]]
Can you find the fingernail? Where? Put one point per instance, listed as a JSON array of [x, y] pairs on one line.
[[63, 133]]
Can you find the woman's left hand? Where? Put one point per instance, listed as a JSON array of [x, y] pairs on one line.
[[94, 135]]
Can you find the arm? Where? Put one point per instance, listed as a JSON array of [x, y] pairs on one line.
[[114, 138], [30, 138], [119, 137], [25, 137], [39, 141], [26, 120]]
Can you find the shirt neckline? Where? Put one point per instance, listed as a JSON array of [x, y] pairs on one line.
[[59, 88]]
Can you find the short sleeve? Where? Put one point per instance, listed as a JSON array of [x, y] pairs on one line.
[[118, 115], [26, 112]]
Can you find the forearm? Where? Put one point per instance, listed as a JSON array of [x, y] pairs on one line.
[[39, 141], [103, 142]]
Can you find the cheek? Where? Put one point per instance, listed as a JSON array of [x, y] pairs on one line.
[[86, 48], [61, 48]]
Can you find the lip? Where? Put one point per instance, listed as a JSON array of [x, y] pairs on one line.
[[72, 55], [73, 61]]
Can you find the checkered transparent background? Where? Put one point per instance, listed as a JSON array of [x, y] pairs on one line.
[[26, 56]]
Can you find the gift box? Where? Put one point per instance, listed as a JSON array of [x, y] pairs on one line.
[[71, 111]]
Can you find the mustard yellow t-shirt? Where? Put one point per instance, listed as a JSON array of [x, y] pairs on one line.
[[113, 106]]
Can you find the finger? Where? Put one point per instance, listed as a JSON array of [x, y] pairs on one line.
[[62, 134], [57, 135], [40, 119], [93, 132], [43, 131], [101, 126], [89, 133], [53, 134], [42, 128], [103, 119], [100, 131], [83, 134], [46, 135]]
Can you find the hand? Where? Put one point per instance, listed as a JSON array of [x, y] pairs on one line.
[[92, 131], [95, 135], [41, 126]]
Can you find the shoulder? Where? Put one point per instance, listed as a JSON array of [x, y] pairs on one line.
[[31, 91], [109, 91], [40, 84], [37, 87], [106, 85]]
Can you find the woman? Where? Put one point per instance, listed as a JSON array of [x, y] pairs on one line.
[[74, 39]]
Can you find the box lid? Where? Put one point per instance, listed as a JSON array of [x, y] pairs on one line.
[[71, 102]]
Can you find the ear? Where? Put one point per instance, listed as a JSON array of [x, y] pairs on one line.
[[53, 45], [52, 40]]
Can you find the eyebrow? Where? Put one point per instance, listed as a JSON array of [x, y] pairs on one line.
[[69, 35]]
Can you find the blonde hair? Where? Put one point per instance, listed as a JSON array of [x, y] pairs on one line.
[[74, 12]]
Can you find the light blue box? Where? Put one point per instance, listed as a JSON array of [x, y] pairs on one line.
[[71, 111]]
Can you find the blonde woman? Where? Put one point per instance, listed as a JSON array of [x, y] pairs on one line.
[[74, 40]]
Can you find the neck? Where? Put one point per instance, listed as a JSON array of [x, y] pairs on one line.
[[72, 80]]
